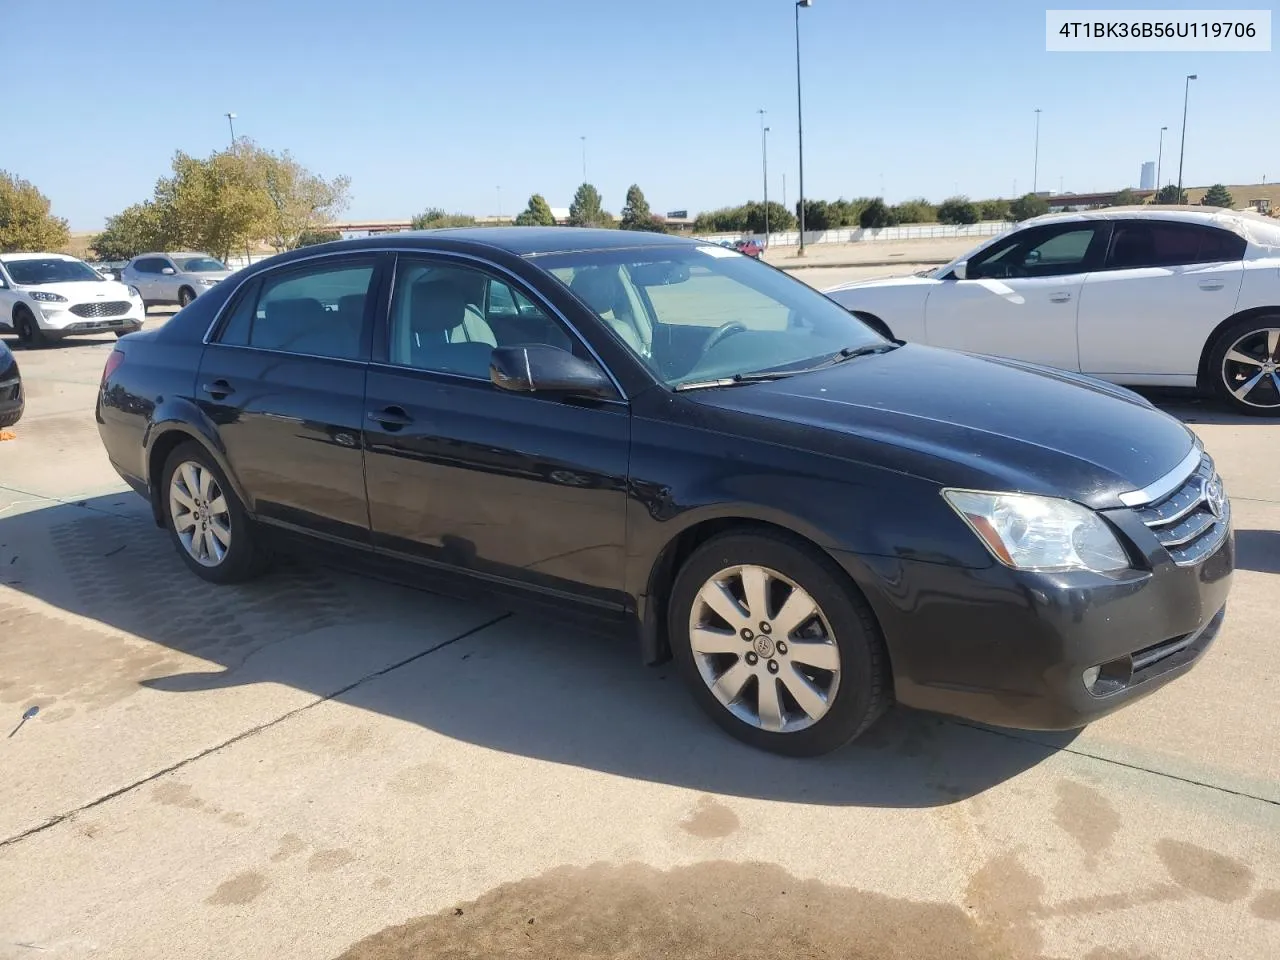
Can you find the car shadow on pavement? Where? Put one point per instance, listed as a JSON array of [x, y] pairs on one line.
[[518, 685], [1258, 550], [1191, 407]]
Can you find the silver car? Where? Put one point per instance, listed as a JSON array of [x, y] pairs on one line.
[[173, 277]]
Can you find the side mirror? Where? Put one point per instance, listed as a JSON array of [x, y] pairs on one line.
[[540, 368], [168, 271], [960, 269]]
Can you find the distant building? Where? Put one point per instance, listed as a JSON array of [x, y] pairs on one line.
[[1147, 181]]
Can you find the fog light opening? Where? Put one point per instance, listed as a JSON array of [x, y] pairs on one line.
[[1108, 678]]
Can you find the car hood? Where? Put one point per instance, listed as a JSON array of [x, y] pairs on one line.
[[80, 291], [898, 281], [968, 421]]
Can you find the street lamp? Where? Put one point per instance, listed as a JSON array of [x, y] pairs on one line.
[[1186, 93], [1035, 168], [800, 119], [231, 124], [1159, 160], [764, 164]]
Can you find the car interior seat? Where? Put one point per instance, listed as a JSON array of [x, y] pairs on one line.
[[437, 307]]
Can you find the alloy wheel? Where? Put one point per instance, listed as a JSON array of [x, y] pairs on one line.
[[1251, 369], [764, 648], [199, 513]]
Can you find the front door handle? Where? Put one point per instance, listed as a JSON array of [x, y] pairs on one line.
[[1212, 284], [1062, 296], [391, 418], [219, 389]]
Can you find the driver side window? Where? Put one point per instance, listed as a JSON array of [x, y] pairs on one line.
[[1053, 252]]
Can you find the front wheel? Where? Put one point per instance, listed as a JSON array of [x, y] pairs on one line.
[[1245, 366], [185, 296], [208, 524], [776, 645], [29, 333]]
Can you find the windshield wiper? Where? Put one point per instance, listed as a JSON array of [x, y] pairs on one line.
[[736, 379], [848, 353]]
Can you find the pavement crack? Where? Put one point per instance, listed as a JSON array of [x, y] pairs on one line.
[[1012, 735], [245, 734]]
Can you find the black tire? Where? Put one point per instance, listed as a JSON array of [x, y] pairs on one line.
[[863, 692], [29, 333], [1264, 400], [13, 416], [185, 296], [245, 558]]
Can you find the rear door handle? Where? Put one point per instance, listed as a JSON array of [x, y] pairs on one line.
[[219, 389], [1212, 284], [391, 418], [1062, 296]]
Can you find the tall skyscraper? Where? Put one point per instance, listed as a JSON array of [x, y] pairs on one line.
[[1148, 179]]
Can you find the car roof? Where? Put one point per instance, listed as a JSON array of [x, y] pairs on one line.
[[536, 241], [173, 253], [10, 257], [1263, 232]]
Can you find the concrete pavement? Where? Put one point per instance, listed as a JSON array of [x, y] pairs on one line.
[[317, 765]]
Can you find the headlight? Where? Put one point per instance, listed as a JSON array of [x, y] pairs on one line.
[[47, 297], [135, 292], [1043, 534]]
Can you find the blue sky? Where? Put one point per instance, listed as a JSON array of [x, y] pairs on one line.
[[433, 103]]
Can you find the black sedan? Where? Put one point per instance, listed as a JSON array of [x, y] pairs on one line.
[[812, 519], [12, 401]]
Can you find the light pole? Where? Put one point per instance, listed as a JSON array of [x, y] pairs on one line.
[[764, 164], [1160, 159], [1035, 167], [584, 158], [1186, 93], [800, 120], [232, 126]]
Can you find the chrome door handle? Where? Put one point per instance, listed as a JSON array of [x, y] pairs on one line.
[[1212, 284], [1061, 297]]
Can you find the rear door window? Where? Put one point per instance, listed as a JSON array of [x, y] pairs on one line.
[[1153, 243]]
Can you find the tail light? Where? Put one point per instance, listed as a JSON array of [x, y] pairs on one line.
[[114, 359]]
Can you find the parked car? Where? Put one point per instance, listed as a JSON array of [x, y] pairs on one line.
[[750, 247], [12, 399], [174, 277], [811, 518], [48, 296], [111, 269], [1158, 297]]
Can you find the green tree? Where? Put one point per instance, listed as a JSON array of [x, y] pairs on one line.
[[918, 210], [25, 221], [433, 218], [876, 214], [312, 237], [587, 208], [818, 215], [1217, 196], [132, 231], [780, 218], [636, 214], [958, 210], [217, 205], [723, 220], [1124, 198], [1170, 195], [994, 209], [537, 214], [300, 201], [1027, 206]]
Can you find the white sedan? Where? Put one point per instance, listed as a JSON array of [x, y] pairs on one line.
[[48, 296], [1159, 297]]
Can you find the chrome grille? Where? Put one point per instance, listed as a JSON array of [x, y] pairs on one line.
[[108, 308], [1184, 521]]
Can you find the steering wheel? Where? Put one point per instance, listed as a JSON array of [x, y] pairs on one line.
[[722, 332]]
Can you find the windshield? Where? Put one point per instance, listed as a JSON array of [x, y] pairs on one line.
[[31, 273], [695, 313], [200, 265]]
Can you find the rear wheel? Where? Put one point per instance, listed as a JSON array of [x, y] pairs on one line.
[[1245, 366], [206, 520], [776, 645], [29, 333]]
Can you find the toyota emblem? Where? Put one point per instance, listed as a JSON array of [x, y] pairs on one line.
[[1214, 497]]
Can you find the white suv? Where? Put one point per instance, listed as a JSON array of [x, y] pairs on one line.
[[173, 277], [1143, 297], [48, 296]]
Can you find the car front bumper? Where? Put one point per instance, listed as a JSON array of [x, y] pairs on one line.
[[1012, 649], [56, 320]]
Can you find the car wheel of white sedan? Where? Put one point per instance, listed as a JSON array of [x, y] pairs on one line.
[[776, 644], [1245, 365]]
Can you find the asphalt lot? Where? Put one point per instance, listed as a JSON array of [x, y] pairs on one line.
[[316, 765]]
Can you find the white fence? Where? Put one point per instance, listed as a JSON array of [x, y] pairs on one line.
[[910, 231]]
